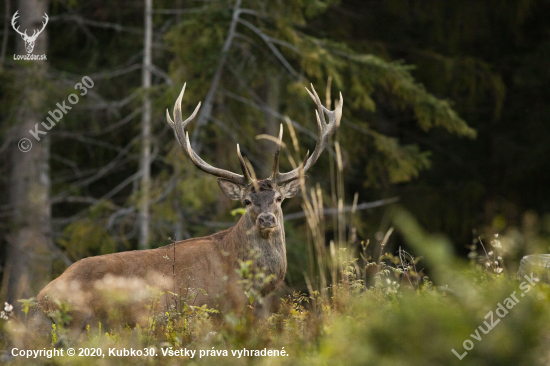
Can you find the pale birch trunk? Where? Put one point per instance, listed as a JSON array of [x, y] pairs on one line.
[[144, 217], [29, 241]]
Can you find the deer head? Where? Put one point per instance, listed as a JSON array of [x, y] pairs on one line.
[[208, 261], [29, 41], [261, 198]]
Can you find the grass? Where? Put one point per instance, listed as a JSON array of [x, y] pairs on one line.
[[403, 318], [359, 309]]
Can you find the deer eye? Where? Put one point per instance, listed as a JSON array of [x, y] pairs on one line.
[[247, 202], [280, 199]]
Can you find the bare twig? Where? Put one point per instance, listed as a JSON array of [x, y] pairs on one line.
[[109, 194], [118, 124], [94, 23], [268, 41], [122, 212], [179, 11], [206, 110], [86, 139], [326, 211], [109, 166], [160, 73], [103, 104], [59, 253], [128, 180], [73, 199], [118, 72], [361, 206]]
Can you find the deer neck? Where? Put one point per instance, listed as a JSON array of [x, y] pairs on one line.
[[267, 252]]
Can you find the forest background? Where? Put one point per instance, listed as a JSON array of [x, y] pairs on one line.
[[446, 110]]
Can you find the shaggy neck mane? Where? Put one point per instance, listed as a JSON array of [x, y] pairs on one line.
[[247, 243]]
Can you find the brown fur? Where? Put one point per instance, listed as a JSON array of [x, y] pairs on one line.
[[207, 263]]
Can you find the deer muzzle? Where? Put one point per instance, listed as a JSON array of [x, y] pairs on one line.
[[267, 221], [29, 46]]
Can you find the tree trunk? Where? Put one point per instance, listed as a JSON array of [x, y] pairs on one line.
[[144, 220], [7, 15], [206, 109], [29, 256]]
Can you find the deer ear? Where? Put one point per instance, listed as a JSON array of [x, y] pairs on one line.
[[290, 188], [231, 190]]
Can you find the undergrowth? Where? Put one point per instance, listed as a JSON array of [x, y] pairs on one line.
[[401, 318], [362, 306]]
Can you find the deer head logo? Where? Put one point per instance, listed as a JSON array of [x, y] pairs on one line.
[[29, 41]]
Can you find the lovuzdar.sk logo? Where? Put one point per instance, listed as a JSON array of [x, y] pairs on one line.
[[29, 40]]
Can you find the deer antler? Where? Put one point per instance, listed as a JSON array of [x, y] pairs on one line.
[[24, 34], [183, 139], [325, 131], [13, 19], [36, 33]]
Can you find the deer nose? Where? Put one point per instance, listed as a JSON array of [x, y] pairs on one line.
[[267, 221]]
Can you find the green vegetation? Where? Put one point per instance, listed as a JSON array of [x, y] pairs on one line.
[[445, 110], [404, 318]]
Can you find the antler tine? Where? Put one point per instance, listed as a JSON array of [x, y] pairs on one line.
[[275, 170], [324, 132], [13, 21], [246, 173], [179, 125], [44, 23], [317, 101], [183, 139]]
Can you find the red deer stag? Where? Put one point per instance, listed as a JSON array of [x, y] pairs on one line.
[[209, 262]]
